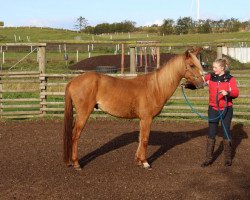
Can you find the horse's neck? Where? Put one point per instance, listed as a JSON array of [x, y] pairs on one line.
[[168, 78]]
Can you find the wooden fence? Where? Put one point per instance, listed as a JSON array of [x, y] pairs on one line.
[[35, 94]]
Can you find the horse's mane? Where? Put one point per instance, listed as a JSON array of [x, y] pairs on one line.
[[171, 70]]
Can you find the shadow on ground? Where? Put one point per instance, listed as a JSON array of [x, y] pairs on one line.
[[166, 141]]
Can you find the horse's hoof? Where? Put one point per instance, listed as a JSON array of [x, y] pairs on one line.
[[147, 166], [77, 167], [138, 163], [143, 165], [69, 165]]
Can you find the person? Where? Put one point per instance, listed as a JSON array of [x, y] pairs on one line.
[[222, 90]]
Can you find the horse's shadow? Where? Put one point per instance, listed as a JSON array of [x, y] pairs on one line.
[[166, 141]]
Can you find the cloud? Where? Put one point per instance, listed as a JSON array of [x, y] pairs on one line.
[[158, 22], [36, 22]]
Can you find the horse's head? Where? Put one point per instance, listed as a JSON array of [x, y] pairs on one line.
[[194, 73]]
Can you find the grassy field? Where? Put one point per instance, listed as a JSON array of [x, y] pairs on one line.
[[48, 34], [57, 64]]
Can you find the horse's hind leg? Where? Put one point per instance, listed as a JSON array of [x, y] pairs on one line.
[[140, 157], [80, 122]]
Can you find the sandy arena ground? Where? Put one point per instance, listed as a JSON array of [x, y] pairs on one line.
[[32, 167]]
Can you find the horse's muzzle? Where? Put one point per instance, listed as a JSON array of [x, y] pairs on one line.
[[194, 87], [201, 85]]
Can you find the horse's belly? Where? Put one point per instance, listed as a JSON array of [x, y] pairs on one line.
[[118, 110]]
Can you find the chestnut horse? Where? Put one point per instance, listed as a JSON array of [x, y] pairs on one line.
[[141, 97]]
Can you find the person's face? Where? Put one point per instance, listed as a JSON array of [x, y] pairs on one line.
[[218, 70]]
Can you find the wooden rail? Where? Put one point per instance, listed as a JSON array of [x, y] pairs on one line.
[[35, 94]]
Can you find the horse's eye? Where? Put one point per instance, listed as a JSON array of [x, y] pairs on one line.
[[192, 66]]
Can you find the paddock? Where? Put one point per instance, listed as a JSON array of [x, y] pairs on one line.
[[32, 167]]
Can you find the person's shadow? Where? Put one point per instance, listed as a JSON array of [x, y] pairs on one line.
[[166, 141], [238, 134]]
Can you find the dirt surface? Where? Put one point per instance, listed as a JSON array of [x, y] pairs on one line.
[[115, 60], [32, 167]]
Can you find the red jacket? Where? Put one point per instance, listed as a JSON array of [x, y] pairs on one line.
[[217, 83]]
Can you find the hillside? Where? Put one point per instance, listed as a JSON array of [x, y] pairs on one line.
[[33, 34]]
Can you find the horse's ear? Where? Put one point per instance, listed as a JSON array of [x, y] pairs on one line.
[[193, 50]]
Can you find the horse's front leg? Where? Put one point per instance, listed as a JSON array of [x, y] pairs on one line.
[[140, 156]]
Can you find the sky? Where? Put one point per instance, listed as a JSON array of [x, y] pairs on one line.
[[64, 13]]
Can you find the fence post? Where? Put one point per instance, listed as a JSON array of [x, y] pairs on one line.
[[122, 60], [43, 79], [219, 51], [132, 60], [158, 57], [1, 98]]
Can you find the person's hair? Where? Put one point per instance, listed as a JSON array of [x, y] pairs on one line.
[[223, 62]]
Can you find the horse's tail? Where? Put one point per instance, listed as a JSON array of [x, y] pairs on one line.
[[68, 126]]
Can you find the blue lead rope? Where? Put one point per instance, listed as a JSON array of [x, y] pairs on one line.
[[220, 116]]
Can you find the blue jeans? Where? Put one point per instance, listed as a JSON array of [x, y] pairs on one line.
[[213, 125]]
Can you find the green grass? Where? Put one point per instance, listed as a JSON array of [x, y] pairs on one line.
[[48, 34], [55, 60], [39, 34]]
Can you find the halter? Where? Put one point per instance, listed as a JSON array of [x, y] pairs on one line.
[[194, 75]]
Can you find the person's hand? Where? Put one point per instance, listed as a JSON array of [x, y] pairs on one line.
[[223, 92]]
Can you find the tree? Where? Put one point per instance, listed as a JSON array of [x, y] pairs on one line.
[[167, 27], [81, 23], [245, 25], [232, 25], [102, 28], [204, 26], [125, 26], [185, 25], [1, 23], [89, 29]]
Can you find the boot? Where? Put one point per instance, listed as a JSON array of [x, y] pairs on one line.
[[227, 152], [209, 152]]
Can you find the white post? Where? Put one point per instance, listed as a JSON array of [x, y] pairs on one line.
[[76, 55], [132, 60], [3, 58], [198, 10], [115, 49], [65, 48], [92, 47]]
